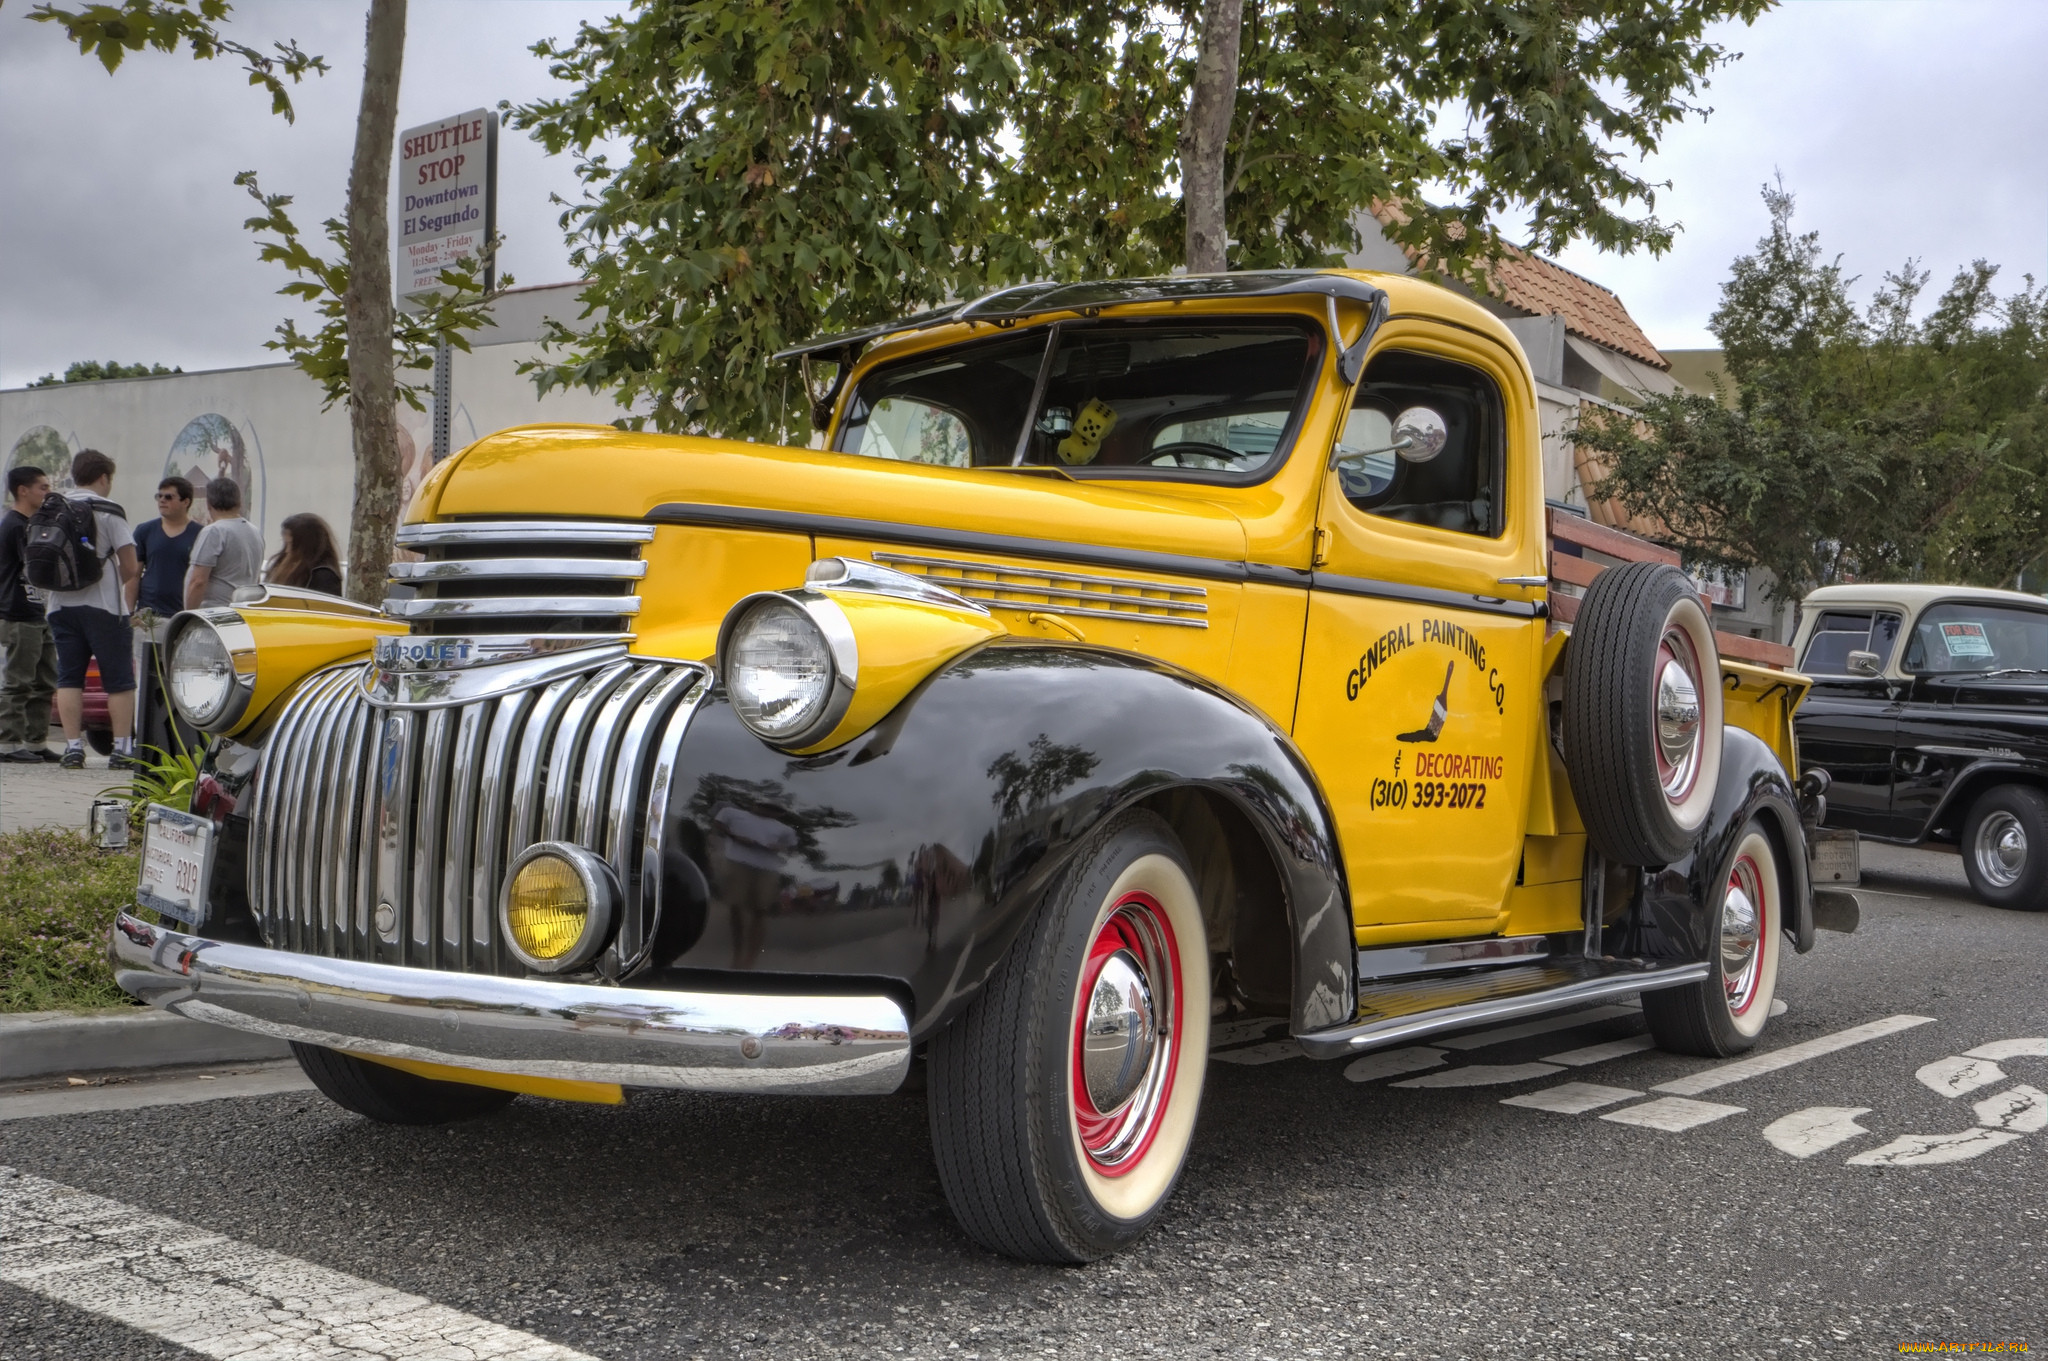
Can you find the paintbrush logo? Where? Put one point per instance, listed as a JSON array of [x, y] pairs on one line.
[[1438, 712]]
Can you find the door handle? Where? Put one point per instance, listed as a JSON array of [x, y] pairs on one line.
[[1525, 581]]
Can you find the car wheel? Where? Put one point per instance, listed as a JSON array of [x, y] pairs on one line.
[[1726, 1012], [1063, 1100], [2005, 847], [1642, 713], [392, 1096], [100, 740]]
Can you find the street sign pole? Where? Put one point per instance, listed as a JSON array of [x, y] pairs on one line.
[[447, 212]]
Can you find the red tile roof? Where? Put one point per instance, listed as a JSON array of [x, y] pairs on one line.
[[1532, 284]]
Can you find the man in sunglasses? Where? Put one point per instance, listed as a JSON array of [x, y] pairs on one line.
[[164, 546]]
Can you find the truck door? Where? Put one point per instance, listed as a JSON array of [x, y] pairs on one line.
[[1418, 702], [1849, 724]]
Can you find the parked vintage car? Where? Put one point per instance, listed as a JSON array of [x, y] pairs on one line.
[[1929, 712], [1131, 654]]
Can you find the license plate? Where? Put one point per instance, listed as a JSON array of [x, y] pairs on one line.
[[1834, 859], [177, 859]]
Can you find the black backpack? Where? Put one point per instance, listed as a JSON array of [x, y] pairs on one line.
[[60, 553]]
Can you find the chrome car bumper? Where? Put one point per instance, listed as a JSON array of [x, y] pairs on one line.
[[636, 1037]]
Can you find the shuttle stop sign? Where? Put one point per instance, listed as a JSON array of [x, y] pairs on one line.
[[447, 196]]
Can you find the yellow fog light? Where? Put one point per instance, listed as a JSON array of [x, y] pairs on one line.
[[557, 906]]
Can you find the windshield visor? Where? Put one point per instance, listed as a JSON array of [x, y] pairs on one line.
[[1218, 401]]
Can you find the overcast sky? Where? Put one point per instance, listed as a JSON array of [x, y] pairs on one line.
[[1907, 128]]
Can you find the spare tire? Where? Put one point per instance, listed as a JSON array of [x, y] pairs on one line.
[[1642, 713]]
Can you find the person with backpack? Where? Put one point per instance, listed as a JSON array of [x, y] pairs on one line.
[[81, 552], [30, 677]]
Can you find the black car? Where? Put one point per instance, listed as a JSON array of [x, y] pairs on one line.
[[1929, 712]]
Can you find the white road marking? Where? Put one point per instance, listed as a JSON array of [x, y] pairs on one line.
[[1779, 1006], [1672, 1113], [1929, 1150], [1259, 1053], [2020, 1108], [1815, 1129], [1600, 1053], [2033, 1048], [269, 1080], [1483, 1075], [1237, 1032], [1953, 1076], [1570, 1020], [1571, 1098], [1393, 1063], [1756, 1065], [220, 1298]]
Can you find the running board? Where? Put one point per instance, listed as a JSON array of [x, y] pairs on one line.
[[1402, 961], [1392, 1013]]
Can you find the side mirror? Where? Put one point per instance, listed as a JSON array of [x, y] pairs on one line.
[[1863, 664], [1420, 434]]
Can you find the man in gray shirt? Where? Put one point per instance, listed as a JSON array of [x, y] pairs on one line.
[[229, 553]]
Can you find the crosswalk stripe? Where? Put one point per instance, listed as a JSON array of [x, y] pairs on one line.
[[208, 1293], [1756, 1065]]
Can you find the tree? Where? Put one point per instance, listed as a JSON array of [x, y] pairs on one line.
[[92, 371], [111, 32], [1860, 443], [798, 166]]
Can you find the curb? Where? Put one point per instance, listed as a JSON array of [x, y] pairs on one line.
[[39, 1043]]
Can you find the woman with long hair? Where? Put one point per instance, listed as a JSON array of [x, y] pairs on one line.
[[308, 558]]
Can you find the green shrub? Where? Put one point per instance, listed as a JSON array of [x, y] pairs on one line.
[[58, 896]]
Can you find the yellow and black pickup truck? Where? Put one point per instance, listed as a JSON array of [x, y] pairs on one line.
[[1128, 655]]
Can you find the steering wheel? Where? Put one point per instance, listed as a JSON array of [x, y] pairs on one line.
[[1173, 452]]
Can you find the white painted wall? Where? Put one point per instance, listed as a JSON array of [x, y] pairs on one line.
[[264, 424]]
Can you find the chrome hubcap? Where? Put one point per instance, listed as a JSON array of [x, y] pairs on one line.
[[1126, 1034], [1678, 715], [1119, 1035], [1742, 934], [2001, 849]]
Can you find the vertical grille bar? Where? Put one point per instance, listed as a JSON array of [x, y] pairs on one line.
[[529, 768], [337, 853], [273, 788], [430, 804], [290, 910], [462, 801], [318, 743], [625, 812], [598, 755], [565, 753], [393, 786], [485, 952], [657, 801]]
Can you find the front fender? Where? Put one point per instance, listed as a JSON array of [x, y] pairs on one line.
[[914, 852], [1677, 918]]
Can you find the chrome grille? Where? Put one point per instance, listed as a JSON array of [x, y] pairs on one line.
[[383, 834], [519, 576], [1075, 593]]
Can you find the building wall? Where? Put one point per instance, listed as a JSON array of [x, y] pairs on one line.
[[264, 425]]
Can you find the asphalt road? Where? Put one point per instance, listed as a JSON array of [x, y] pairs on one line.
[[1319, 1216]]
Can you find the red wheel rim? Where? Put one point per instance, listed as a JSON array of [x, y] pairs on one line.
[[1744, 928], [1135, 940], [1676, 714]]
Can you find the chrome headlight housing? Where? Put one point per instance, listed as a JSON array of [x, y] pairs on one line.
[[789, 665], [210, 667], [557, 906]]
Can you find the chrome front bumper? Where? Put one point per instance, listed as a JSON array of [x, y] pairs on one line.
[[636, 1037]]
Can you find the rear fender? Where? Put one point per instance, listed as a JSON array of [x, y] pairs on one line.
[[915, 852], [1676, 917]]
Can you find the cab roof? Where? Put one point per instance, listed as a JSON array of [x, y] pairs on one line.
[[1913, 595]]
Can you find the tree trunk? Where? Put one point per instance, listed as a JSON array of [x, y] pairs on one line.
[[1206, 135], [368, 307]]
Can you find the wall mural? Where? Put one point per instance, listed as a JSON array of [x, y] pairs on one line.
[[42, 447], [210, 446]]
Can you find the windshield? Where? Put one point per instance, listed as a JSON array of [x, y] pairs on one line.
[[1962, 636], [1216, 401]]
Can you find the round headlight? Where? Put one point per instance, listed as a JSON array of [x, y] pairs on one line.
[[557, 906], [201, 674], [778, 670]]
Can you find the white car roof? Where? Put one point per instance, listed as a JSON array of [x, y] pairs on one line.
[[1912, 595]]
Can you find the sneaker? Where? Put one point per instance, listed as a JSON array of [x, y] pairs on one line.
[[123, 761], [72, 760]]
